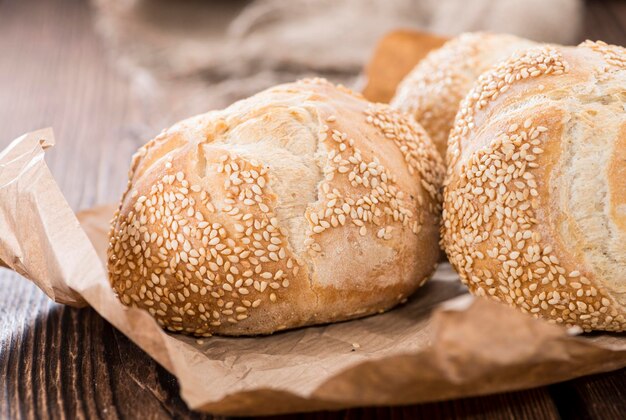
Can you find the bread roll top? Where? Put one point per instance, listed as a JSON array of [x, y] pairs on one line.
[[433, 90], [534, 205], [302, 204]]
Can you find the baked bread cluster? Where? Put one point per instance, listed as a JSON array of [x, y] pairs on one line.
[[303, 204], [307, 204], [535, 197], [433, 90]]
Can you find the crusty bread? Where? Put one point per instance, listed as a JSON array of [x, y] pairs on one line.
[[303, 204], [433, 90], [535, 196]]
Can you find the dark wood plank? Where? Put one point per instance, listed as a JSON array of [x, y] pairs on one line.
[[58, 362], [532, 404], [593, 397]]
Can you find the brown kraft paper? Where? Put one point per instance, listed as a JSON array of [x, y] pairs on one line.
[[441, 344]]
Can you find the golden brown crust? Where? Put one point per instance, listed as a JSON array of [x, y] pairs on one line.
[[617, 180], [434, 89], [218, 234], [395, 55], [529, 196]]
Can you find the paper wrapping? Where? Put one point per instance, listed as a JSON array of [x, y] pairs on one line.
[[441, 344]]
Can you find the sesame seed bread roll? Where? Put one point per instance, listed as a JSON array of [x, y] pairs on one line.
[[535, 199], [301, 205], [433, 90]]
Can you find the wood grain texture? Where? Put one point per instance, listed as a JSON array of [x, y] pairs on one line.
[[63, 363]]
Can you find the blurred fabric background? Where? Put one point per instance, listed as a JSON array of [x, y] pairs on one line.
[[189, 56]]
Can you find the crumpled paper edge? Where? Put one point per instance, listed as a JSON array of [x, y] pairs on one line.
[[448, 368], [26, 182]]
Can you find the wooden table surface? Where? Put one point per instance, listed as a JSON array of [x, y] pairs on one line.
[[58, 362]]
